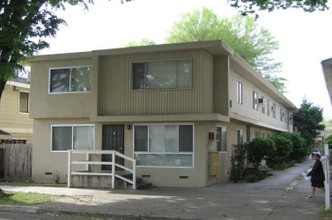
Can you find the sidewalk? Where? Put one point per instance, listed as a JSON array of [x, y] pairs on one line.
[[280, 196]]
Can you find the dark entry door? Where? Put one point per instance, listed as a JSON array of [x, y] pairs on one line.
[[113, 139]]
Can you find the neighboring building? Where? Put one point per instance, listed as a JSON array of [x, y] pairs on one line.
[[15, 124], [327, 71], [178, 109]]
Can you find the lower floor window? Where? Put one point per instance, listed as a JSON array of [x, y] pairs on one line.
[[222, 138], [72, 137], [164, 145]]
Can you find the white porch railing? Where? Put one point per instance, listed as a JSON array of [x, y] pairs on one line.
[[87, 162]]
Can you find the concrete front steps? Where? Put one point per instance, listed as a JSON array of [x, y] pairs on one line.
[[105, 182]]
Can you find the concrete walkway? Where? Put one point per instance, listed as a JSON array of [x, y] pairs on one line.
[[280, 196]]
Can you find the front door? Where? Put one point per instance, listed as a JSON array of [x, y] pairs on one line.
[[113, 139]]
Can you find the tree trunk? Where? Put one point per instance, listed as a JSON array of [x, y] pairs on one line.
[[2, 87]]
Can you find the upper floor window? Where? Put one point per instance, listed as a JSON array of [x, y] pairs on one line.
[[172, 74], [282, 114], [72, 137], [70, 79], [24, 102], [274, 110], [255, 100], [239, 93], [262, 102], [290, 118], [268, 106]]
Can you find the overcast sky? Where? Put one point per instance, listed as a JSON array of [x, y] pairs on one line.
[[305, 39]]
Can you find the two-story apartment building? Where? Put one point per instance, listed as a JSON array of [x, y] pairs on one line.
[[178, 109], [15, 124]]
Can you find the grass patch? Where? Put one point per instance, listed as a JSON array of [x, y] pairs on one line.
[[325, 214], [19, 181], [283, 166], [25, 199]]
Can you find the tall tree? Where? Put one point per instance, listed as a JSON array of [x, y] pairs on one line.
[[307, 121], [24, 27], [253, 43], [251, 6], [142, 42]]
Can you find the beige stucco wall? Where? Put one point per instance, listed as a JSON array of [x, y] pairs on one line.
[[64, 105], [47, 165], [246, 112]]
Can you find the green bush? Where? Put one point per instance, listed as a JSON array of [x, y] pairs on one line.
[[260, 148], [283, 150], [238, 162], [254, 175], [282, 166], [328, 140], [299, 149]]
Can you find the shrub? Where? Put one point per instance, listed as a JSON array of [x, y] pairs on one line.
[[283, 150], [238, 162], [253, 176], [282, 166], [260, 148], [299, 149], [328, 140]]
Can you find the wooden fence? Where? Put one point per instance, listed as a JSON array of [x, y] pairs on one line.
[[17, 161]]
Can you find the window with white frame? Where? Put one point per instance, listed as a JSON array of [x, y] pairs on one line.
[[268, 106], [282, 114], [262, 102], [239, 92], [70, 79], [274, 110], [172, 74], [255, 100], [24, 102], [222, 138], [290, 118], [169, 145], [239, 137], [73, 137]]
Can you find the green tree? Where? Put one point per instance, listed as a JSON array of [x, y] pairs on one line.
[[142, 42], [299, 149], [24, 27], [251, 6], [307, 121], [328, 140], [253, 43], [283, 150]]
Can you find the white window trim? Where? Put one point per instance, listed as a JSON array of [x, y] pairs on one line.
[[66, 67], [239, 92], [184, 153], [223, 127], [19, 103], [71, 125], [274, 110], [255, 100], [237, 136]]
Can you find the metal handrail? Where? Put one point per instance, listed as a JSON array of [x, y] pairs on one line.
[[113, 163]]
